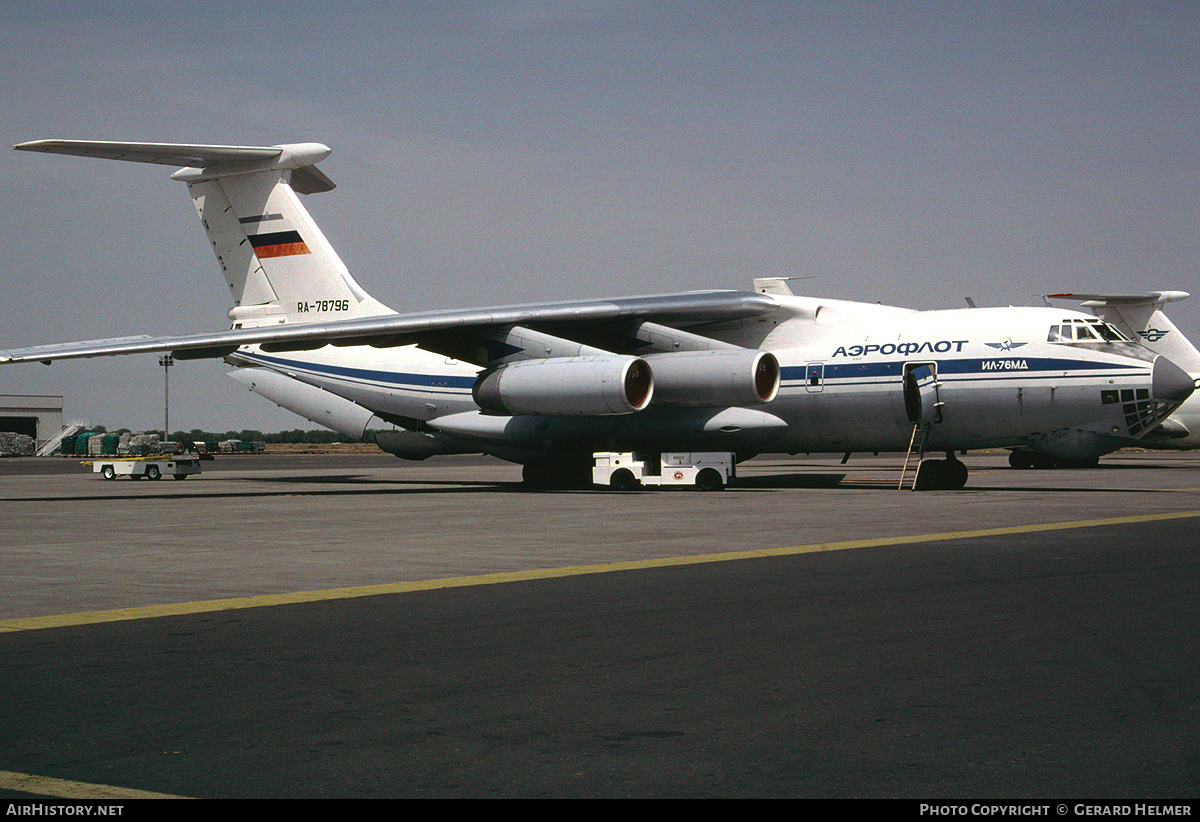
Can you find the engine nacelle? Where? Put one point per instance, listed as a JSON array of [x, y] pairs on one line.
[[564, 386], [714, 379]]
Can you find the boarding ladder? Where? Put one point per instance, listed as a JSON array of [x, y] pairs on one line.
[[73, 427], [912, 460]]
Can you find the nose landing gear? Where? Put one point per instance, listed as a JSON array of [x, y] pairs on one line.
[[949, 474]]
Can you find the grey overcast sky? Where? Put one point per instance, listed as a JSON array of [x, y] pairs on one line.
[[913, 153]]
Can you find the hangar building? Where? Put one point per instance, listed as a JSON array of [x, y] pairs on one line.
[[40, 417]]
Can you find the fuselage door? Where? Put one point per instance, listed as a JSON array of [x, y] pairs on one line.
[[814, 377], [921, 400]]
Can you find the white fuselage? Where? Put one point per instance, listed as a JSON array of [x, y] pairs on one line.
[[1000, 383]]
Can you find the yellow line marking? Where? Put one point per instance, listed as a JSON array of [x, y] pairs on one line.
[[66, 789], [266, 600]]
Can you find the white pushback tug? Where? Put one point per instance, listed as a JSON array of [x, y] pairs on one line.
[[705, 470]]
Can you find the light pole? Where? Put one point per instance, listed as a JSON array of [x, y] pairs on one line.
[[166, 361]]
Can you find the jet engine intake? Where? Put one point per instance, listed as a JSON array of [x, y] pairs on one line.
[[713, 379], [567, 386]]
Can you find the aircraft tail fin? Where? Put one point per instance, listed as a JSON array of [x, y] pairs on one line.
[[276, 261], [1141, 318]]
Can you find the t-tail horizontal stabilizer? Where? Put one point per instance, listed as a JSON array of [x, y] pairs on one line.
[[276, 261], [236, 159]]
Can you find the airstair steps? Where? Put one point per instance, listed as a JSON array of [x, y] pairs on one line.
[[912, 460]]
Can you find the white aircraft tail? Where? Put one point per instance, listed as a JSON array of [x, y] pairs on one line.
[[1141, 318], [276, 261]]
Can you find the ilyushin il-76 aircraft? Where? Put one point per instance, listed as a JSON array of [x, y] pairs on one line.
[[549, 385]]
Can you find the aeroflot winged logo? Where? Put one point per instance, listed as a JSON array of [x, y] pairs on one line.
[[1153, 334], [1007, 345]]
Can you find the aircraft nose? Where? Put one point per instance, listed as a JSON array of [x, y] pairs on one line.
[[1170, 382]]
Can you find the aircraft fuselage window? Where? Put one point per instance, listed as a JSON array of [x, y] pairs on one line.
[[1109, 333], [1085, 331]]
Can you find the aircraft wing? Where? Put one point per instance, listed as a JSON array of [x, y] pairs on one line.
[[680, 310]]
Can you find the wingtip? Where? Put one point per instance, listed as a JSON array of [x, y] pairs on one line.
[[40, 145]]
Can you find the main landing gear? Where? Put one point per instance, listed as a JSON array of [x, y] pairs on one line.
[[562, 474], [1034, 459], [942, 475]]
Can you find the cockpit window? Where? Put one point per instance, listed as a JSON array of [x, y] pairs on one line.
[[1109, 333], [1079, 330]]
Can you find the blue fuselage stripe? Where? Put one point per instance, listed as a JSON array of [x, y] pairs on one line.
[[386, 378], [1023, 367]]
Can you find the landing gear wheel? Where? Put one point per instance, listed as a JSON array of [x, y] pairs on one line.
[[1034, 459], [941, 475], [536, 475], [558, 475], [1062, 462], [1020, 459], [956, 474]]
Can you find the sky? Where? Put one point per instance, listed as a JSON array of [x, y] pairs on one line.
[[490, 153]]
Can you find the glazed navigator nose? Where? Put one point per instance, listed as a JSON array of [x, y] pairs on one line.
[[1170, 382]]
